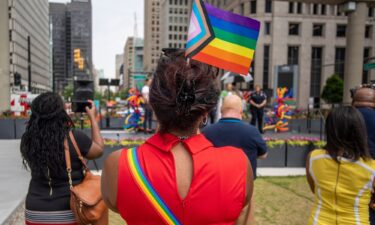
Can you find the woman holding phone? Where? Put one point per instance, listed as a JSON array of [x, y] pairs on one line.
[[42, 149]]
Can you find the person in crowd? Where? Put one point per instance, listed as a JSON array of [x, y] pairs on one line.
[[231, 131], [258, 100], [147, 125], [189, 179], [341, 175], [364, 101], [42, 149]]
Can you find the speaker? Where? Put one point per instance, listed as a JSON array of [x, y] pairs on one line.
[[83, 90]]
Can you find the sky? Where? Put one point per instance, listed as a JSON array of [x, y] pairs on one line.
[[113, 22]]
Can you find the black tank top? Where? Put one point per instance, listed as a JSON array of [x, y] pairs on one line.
[[44, 195]]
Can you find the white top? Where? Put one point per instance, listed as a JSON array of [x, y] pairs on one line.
[[145, 92]]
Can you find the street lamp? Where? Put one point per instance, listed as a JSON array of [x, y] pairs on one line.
[[108, 83]]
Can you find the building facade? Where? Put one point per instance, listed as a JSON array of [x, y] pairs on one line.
[[119, 63], [152, 34], [71, 29], [24, 48], [175, 16], [311, 36], [134, 74]]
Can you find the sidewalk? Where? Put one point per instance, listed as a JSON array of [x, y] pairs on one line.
[[14, 178]]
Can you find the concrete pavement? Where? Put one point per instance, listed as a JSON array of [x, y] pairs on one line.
[[13, 177]]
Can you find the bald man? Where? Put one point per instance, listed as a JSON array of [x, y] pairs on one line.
[[231, 131]]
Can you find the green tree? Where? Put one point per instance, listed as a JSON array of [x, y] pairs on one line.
[[68, 92], [333, 90]]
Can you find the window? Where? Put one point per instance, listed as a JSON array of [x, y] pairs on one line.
[[253, 6], [299, 8], [365, 77], [370, 12], [323, 9], [267, 28], [318, 30], [293, 55], [316, 71], [315, 9], [340, 61], [341, 30], [291, 7], [268, 8], [242, 9], [293, 28], [266, 66], [368, 31]]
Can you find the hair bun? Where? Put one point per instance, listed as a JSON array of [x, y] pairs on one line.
[[185, 97]]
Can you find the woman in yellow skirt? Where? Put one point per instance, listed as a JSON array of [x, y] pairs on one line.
[[341, 176]]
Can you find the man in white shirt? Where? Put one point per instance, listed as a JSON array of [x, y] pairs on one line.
[[147, 125]]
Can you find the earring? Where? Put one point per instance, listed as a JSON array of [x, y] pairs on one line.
[[205, 121]]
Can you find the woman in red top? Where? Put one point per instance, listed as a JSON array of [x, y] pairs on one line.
[[194, 182]]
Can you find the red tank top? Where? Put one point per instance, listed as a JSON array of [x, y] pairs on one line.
[[217, 192]]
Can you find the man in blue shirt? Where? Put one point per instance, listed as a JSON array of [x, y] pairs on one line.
[[231, 131], [364, 101]]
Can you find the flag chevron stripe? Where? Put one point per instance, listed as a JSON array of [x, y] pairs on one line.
[[228, 56], [202, 32], [233, 28], [148, 190], [233, 18], [234, 48], [234, 38], [226, 65]]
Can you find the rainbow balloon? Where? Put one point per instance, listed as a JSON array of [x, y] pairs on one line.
[[221, 39]]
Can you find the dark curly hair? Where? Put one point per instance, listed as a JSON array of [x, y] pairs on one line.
[[182, 92], [42, 145]]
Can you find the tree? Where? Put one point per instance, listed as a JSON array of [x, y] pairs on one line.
[[68, 92], [333, 90]]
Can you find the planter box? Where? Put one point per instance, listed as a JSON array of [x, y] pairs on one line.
[[296, 155], [114, 123], [107, 151], [275, 157], [20, 127], [7, 129]]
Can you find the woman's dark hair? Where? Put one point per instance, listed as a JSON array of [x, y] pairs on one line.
[[182, 91], [346, 134], [42, 145]]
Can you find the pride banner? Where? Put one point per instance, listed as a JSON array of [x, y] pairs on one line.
[[221, 39]]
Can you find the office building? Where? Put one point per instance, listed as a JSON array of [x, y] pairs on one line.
[[72, 30], [152, 34], [119, 65], [311, 36], [174, 19], [134, 75], [24, 48]]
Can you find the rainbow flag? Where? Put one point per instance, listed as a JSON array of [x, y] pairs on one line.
[[221, 39]]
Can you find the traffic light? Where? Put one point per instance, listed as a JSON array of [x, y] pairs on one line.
[[17, 79], [77, 55], [81, 64]]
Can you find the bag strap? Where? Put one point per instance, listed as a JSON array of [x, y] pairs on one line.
[[68, 162], [78, 151], [148, 190]]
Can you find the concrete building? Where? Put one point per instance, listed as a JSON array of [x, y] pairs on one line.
[[119, 64], [312, 36], [72, 29], [134, 75], [174, 20], [24, 47], [152, 34]]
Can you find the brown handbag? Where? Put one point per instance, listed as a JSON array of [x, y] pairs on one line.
[[86, 199]]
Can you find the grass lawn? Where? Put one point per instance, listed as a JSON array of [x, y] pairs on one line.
[[278, 201]]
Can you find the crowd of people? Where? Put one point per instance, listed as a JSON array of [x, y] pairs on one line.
[[184, 174]]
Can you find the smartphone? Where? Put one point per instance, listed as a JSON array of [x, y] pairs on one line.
[[79, 106]]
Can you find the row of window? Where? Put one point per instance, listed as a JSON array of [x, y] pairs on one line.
[[318, 29], [178, 2], [316, 65], [178, 28], [176, 37]]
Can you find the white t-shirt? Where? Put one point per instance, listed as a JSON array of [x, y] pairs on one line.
[[145, 92]]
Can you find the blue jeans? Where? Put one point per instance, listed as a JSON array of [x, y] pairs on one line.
[[147, 124]]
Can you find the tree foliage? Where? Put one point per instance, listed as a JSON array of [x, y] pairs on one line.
[[333, 90], [68, 92]]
